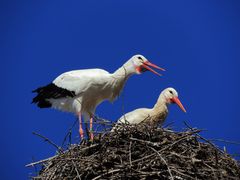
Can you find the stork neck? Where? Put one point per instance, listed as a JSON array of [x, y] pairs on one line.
[[119, 77], [160, 106], [124, 72]]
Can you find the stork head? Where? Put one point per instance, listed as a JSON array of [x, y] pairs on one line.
[[170, 95], [141, 64]]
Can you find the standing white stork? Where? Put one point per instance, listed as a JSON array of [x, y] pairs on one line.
[[155, 115], [80, 91]]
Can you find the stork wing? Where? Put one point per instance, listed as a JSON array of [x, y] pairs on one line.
[[135, 117], [79, 81]]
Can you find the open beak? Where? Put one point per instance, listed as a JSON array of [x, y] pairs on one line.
[[178, 102], [147, 66]]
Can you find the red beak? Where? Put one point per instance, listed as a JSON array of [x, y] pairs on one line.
[[178, 102], [146, 65]]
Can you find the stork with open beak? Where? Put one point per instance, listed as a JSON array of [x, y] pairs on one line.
[[155, 115], [80, 91]]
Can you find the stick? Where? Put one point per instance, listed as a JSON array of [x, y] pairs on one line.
[[203, 138], [182, 173], [165, 162], [48, 159], [79, 177], [112, 171], [145, 142], [226, 141], [69, 133], [95, 117], [49, 141], [130, 153], [41, 161]]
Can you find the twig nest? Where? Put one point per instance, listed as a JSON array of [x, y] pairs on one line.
[[143, 152]]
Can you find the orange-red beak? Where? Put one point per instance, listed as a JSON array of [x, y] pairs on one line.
[[178, 102], [146, 65]]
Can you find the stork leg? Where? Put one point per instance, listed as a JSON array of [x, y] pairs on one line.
[[87, 130], [91, 129], [81, 132]]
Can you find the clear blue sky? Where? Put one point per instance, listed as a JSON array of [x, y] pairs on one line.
[[198, 42]]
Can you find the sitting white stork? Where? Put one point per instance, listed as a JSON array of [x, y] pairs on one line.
[[155, 115], [80, 91]]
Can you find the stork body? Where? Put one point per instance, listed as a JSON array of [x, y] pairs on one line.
[[80, 91], [89, 87], [155, 115]]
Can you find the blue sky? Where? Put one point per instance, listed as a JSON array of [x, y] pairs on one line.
[[198, 42]]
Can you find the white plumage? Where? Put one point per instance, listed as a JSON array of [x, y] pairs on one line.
[[80, 91], [91, 86], [155, 115]]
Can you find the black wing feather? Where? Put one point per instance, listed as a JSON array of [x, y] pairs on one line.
[[51, 91]]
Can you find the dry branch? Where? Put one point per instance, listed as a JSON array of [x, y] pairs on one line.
[[142, 152]]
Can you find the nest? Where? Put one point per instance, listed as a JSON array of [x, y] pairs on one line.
[[142, 152]]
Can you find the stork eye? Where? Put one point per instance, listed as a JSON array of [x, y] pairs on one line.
[[170, 91], [140, 57]]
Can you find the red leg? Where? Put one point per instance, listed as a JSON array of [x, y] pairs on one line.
[[81, 132], [91, 129]]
